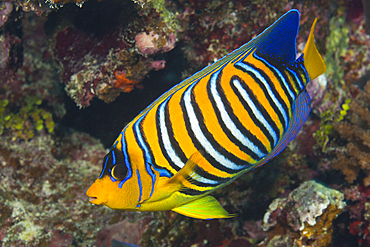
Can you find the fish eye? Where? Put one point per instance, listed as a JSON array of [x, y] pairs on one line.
[[119, 172]]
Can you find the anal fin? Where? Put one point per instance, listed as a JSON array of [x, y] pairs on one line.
[[205, 208]]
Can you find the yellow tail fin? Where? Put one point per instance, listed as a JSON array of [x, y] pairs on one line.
[[313, 61]]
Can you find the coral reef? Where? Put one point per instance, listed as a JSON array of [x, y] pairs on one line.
[[109, 47], [169, 229], [151, 43], [358, 197], [114, 60], [29, 119], [336, 48], [354, 154], [124, 231], [304, 218], [42, 197], [28, 109], [212, 29], [6, 8]]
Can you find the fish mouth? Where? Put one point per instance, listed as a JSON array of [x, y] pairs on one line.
[[91, 199]]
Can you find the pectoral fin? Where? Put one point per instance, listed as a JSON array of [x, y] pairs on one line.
[[180, 181], [203, 208], [187, 173]]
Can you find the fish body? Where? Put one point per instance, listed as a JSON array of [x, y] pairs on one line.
[[223, 121]]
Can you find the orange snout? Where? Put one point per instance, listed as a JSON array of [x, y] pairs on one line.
[[97, 193]]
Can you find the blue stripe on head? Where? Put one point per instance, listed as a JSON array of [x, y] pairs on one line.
[[125, 156], [114, 158], [163, 172], [147, 157], [115, 144], [105, 165], [140, 185]]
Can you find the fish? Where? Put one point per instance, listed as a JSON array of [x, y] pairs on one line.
[[225, 120]]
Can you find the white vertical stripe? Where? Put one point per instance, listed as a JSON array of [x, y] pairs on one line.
[[255, 110], [229, 122], [199, 135], [171, 152], [268, 88], [279, 74], [165, 138]]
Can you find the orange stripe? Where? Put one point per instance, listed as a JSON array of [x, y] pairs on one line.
[[182, 136], [240, 112], [137, 162], [261, 97], [212, 124], [291, 81], [274, 80], [151, 134]]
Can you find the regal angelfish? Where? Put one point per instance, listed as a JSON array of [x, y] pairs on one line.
[[205, 132]]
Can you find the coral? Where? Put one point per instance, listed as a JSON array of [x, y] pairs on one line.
[[124, 83], [6, 8], [347, 59], [336, 48], [4, 50], [317, 89], [212, 29], [104, 65], [352, 152], [44, 176], [151, 43], [169, 229], [354, 11], [358, 198], [42, 197], [124, 231], [305, 217], [27, 109]]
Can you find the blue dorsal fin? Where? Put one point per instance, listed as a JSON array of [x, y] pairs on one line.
[[301, 110], [279, 40]]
